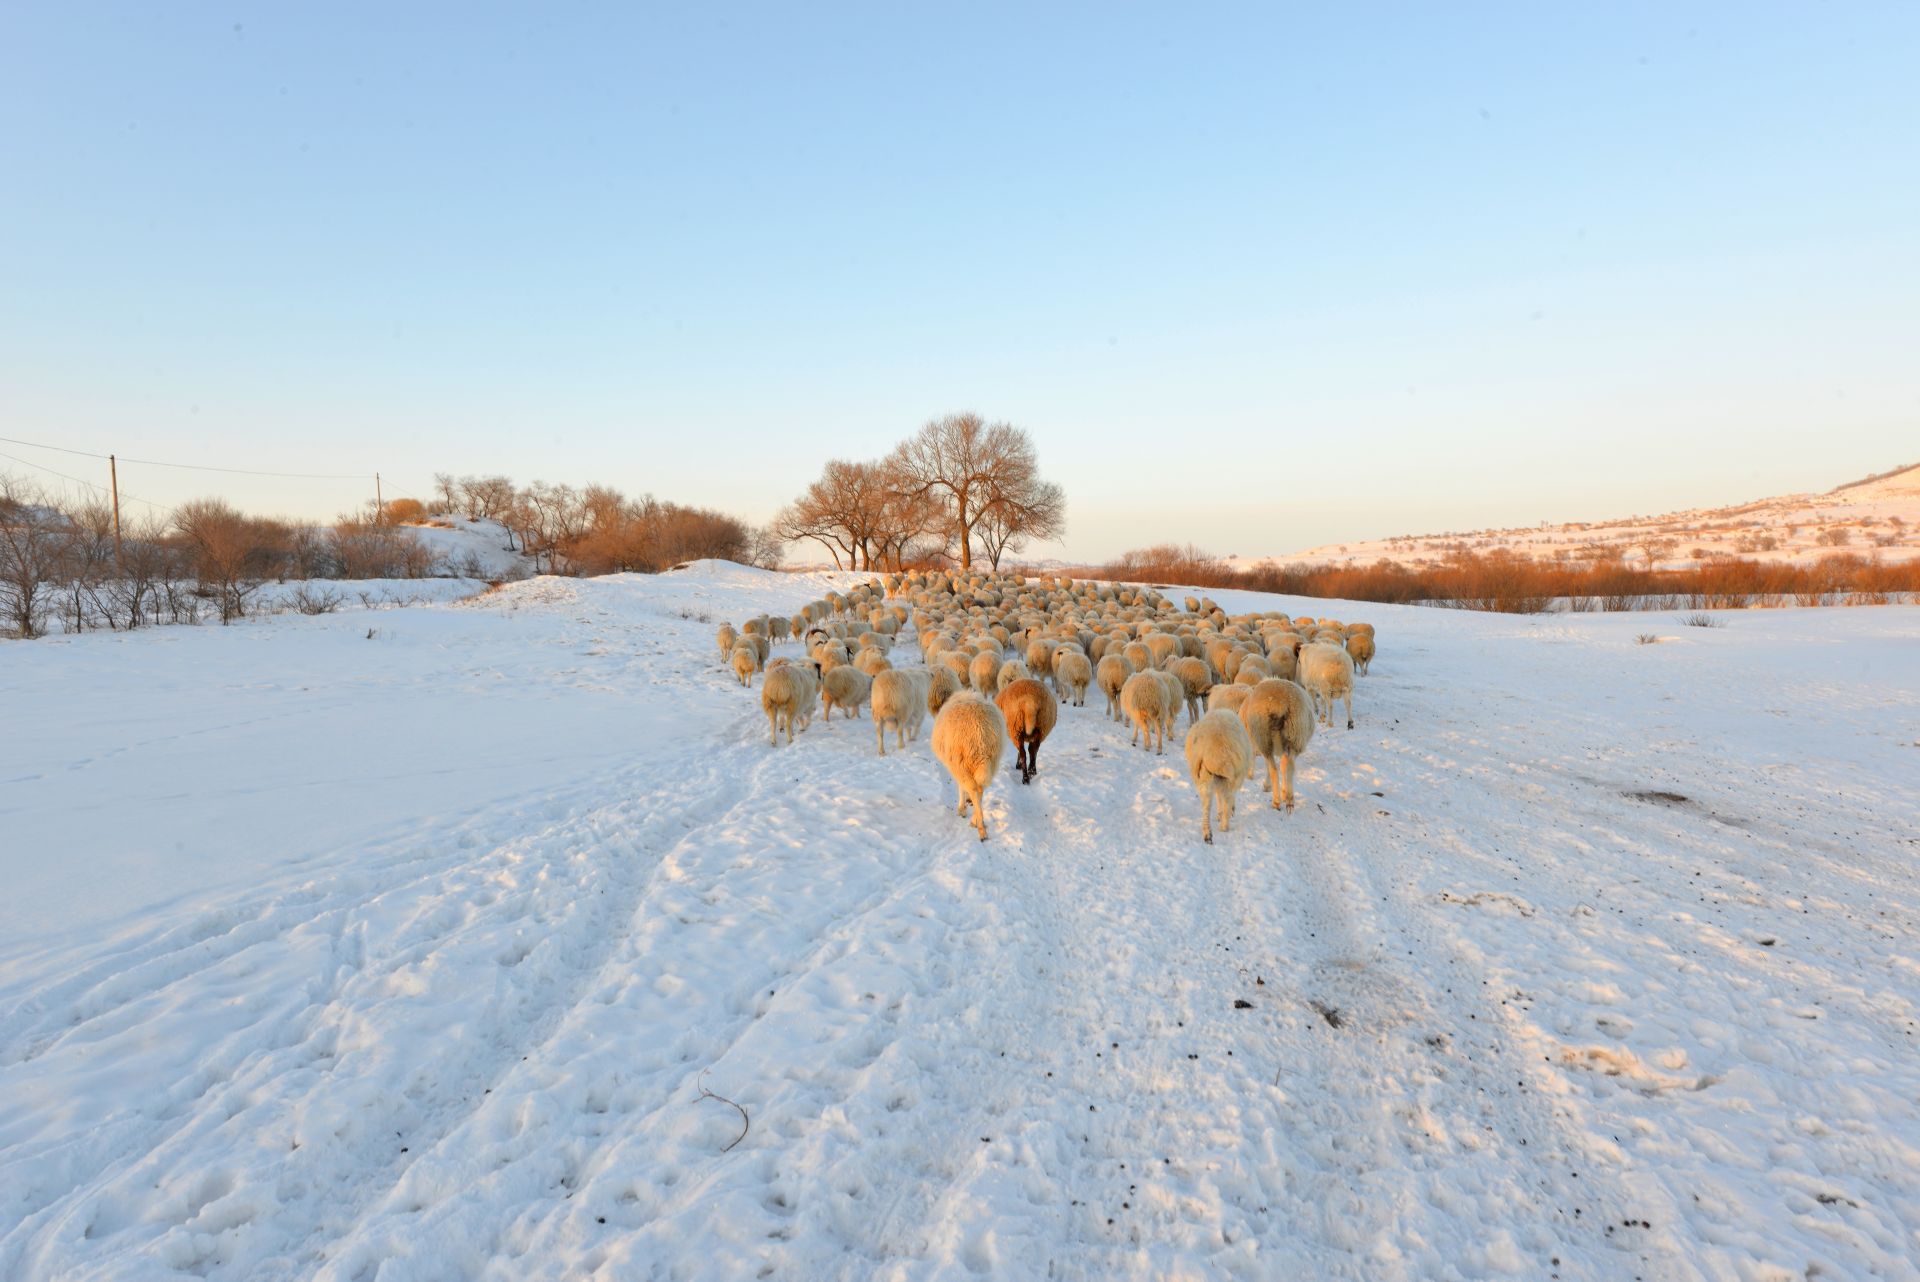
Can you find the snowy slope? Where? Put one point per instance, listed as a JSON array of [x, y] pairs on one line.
[[1880, 517], [410, 957], [476, 548]]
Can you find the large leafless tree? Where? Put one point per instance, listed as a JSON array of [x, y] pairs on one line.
[[976, 467]]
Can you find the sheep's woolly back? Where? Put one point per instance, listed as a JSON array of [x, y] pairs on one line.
[[942, 685], [1075, 670], [1195, 677], [969, 737], [846, 686], [1326, 667], [1218, 749], [1232, 698], [1278, 716], [745, 661], [781, 689], [1029, 709], [899, 700]]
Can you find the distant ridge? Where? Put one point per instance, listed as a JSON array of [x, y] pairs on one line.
[[1877, 515]]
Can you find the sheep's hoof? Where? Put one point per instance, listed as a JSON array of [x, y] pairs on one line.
[[1207, 837]]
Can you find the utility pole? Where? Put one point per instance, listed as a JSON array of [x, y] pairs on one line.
[[379, 504], [113, 474]]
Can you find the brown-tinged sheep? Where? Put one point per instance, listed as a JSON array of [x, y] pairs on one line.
[[1030, 711]]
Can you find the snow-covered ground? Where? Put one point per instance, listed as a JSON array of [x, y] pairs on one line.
[[471, 546], [409, 957]]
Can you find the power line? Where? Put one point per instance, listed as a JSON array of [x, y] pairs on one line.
[[58, 448], [98, 489], [195, 467]]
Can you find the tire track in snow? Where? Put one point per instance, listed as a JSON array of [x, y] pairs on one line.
[[331, 1064]]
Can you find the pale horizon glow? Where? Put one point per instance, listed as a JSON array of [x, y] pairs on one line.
[[1256, 279]]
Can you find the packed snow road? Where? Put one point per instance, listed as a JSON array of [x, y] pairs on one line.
[[499, 944]]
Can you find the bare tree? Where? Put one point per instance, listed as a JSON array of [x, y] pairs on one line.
[[88, 567], [765, 547], [801, 520], [970, 464], [447, 490], [147, 563], [842, 511], [229, 555], [33, 544], [488, 498], [1038, 510]]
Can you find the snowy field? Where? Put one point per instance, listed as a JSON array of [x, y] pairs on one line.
[[408, 956]]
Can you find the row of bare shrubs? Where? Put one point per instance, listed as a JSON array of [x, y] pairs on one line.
[[1512, 583], [597, 529], [59, 561]]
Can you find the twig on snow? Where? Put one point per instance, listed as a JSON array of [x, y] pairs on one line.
[[746, 1123]]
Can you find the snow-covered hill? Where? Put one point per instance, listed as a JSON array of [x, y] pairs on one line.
[[1877, 516], [415, 954], [471, 548]]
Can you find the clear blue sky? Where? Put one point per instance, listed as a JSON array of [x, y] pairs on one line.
[[1257, 277]]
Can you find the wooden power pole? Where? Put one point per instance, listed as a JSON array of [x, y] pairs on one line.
[[379, 504], [113, 474]]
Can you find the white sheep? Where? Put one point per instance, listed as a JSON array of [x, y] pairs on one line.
[[1144, 698], [745, 660], [941, 686], [1326, 670], [1219, 758], [969, 737], [1232, 697], [899, 700], [785, 696], [1195, 679], [1176, 697], [1112, 674], [1278, 716], [1360, 647], [844, 687], [984, 670], [728, 639], [1075, 671]]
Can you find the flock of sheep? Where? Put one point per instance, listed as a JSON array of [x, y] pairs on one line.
[[1252, 685]]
